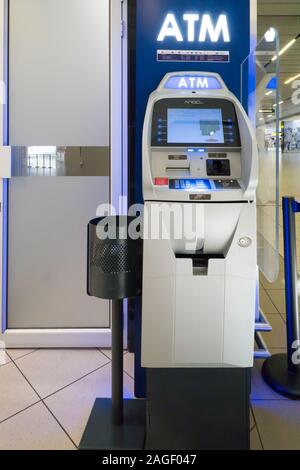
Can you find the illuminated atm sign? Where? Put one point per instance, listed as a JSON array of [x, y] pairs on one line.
[[193, 82], [195, 28]]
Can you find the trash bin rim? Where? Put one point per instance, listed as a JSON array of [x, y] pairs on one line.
[[117, 218]]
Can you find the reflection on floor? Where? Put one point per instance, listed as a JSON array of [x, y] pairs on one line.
[[46, 395]]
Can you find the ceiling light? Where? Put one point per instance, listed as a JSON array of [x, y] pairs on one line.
[[285, 48], [270, 35], [265, 111], [269, 93], [292, 79]]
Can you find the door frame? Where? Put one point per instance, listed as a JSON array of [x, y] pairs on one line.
[[81, 337]]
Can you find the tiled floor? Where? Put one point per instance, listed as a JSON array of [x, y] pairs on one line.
[[46, 395]]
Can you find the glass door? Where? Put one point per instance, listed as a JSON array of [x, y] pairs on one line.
[[59, 128], [262, 91]]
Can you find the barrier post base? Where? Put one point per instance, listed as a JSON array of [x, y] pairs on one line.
[[277, 375]]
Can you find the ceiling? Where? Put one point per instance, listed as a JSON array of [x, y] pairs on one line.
[[284, 15]]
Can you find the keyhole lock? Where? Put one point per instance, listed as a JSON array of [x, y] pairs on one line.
[[245, 242]]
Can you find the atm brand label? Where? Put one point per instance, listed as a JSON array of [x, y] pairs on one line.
[[200, 197], [193, 82], [195, 28]]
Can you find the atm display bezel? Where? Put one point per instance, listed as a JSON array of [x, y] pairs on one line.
[[160, 114]]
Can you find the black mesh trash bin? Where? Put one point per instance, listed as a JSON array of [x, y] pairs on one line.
[[115, 262]]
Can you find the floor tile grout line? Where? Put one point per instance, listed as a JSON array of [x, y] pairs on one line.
[[283, 316], [125, 372], [272, 302], [6, 364], [71, 383], [77, 380], [60, 425], [21, 357], [19, 412], [24, 376], [11, 359], [258, 432], [128, 375], [109, 357], [102, 353], [106, 355]]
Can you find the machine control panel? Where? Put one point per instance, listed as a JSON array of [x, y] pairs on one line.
[[196, 169], [196, 146]]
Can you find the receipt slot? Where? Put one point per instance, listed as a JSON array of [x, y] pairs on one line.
[[200, 168]]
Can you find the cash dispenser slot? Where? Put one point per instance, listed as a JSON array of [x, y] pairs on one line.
[[200, 262]]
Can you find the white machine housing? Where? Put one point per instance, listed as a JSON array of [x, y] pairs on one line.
[[199, 292]]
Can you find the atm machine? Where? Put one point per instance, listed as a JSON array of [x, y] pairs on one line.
[[200, 172]]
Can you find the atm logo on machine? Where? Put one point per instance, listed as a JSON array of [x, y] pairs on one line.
[[196, 28], [193, 82]]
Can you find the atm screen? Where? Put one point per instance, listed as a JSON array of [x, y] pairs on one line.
[[202, 126], [209, 122]]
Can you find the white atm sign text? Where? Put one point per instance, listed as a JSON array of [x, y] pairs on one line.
[[196, 28]]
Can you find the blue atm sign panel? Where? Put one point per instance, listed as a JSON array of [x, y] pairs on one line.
[[190, 35]]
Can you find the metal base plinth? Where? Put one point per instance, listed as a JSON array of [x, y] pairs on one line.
[[198, 409], [276, 374], [100, 434]]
